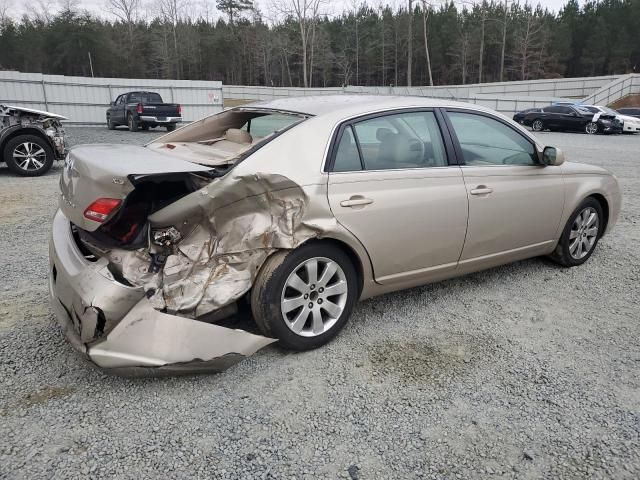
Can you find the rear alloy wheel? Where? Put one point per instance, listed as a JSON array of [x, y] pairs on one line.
[[28, 155], [580, 235], [591, 128], [132, 123], [537, 125], [305, 296]]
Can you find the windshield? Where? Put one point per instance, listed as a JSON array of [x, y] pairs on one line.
[[587, 109]]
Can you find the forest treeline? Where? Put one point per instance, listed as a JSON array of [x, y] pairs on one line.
[[297, 43]]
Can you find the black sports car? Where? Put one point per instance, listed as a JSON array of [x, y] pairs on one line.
[[571, 118]]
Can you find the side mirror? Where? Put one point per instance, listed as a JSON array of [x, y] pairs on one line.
[[552, 156]]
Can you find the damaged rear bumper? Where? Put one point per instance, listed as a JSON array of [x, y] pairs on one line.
[[116, 328]]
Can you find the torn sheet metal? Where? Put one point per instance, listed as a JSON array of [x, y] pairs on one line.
[[229, 229], [147, 338]]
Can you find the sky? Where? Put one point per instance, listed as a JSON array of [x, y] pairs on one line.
[[97, 7]]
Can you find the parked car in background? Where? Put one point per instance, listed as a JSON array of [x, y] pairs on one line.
[[30, 140], [143, 110], [571, 118], [629, 124], [519, 116], [153, 246], [630, 111]]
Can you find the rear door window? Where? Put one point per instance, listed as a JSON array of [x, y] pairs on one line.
[[347, 156], [402, 140]]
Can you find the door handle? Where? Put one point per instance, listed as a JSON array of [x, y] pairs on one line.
[[356, 201], [481, 190]]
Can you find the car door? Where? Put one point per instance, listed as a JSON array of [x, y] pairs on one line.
[[552, 118], [391, 185], [573, 119], [119, 109], [515, 203]]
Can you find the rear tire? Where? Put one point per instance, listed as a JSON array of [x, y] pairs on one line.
[[537, 125], [580, 235], [28, 155], [312, 312], [171, 128], [132, 123]]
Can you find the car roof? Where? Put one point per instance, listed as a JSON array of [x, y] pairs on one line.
[[350, 105]]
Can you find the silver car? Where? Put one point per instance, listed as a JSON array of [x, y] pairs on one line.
[[298, 208]]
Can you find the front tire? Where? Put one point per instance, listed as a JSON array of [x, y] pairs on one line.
[[580, 235], [591, 128], [110, 124], [304, 297], [28, 155]]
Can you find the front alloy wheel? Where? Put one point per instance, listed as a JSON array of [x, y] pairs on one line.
[[591, 128], [584, 233], [28, 155], [580, 235]]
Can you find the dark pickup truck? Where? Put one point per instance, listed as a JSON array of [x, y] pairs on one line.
[[143, 110]]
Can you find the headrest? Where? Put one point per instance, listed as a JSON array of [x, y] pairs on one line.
[[382, 133], [236, 135]]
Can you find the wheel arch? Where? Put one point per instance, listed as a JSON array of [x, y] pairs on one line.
[[18, 130], [604, 204], [349, 251]]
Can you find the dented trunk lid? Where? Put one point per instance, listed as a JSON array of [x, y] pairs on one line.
[[109, 171]]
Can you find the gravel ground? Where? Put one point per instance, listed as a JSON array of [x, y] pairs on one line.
[[522, 371]]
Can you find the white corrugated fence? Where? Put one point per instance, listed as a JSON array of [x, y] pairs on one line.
[[85, 100]]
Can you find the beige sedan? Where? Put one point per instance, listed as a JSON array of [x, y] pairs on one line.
[[300, 207]]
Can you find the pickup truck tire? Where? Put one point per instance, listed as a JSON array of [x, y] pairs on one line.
[[28, 155], [132, 123], [171, 128], [110, 124], [145, 127]]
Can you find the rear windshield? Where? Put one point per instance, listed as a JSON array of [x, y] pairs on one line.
[[152, 98], [268, 124], [144, 97]]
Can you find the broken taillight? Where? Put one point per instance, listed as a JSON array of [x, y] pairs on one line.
[[100, 210], [139, 108]]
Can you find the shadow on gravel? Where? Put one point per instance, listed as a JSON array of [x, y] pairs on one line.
[[435, 360]]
